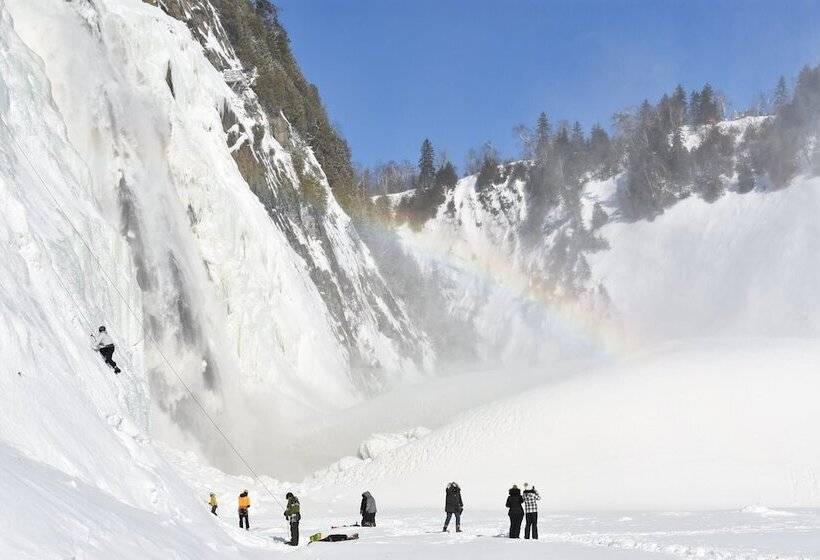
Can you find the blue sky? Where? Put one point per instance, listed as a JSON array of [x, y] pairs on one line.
[[464, 71]]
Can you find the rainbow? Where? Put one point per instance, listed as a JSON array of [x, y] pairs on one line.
[[590, 319]]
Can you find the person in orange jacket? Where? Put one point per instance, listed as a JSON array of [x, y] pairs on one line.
[[244, 506]]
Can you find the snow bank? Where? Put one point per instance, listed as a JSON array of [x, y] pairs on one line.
[[707, 425], [767, 512], [379, 444]]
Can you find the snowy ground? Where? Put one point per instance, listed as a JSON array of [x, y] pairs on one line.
[[588, 536], [718, 535], [750, 532]]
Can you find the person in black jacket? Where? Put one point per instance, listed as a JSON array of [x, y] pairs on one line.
[[368, 510], [453, 505], [516, 513]]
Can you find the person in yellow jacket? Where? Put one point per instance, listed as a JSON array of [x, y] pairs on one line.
[[213, 503], [244, 506]]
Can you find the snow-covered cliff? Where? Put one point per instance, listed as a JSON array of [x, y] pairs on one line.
[[269, 309], [580, 276]]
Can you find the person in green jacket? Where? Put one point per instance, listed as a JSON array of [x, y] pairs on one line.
[[293, 515]]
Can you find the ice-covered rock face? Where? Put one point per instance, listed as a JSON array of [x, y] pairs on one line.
[[514, 279], [266, 307]]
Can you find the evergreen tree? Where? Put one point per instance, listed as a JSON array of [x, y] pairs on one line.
[[601, 152], [709, 185], [679, 109], [577, 163], [488, 174], [679, 161], [711, 110], [745, 175], [665, 113], [781, 94], [543, 131], [446, 176], [695, 112], [647, 146], [712, 158], [427, 166], [382, 208], [707, 102], [577, 138], [599, 217], [561, 144]]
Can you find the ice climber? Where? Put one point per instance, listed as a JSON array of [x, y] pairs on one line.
[[368, 510], [105, 346], [293, 515], [516, 512], [244, 506], [453, 505], [213, 503], [531, 498]]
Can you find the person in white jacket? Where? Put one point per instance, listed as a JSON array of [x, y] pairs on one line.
[[531, 498], [105, 346]]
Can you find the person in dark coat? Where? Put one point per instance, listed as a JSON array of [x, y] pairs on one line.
[[368, 510], [531, 498], [516, 511], [453, 505], [293, 513]]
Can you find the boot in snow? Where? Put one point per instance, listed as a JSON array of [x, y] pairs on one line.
[[117, 370]]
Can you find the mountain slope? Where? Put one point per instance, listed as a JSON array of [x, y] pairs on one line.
[[538, 266]]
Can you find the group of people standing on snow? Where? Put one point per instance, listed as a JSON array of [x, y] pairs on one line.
[[292, 512], [521, 506]]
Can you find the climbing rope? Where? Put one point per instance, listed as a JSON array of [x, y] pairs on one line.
[[148, 336]]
